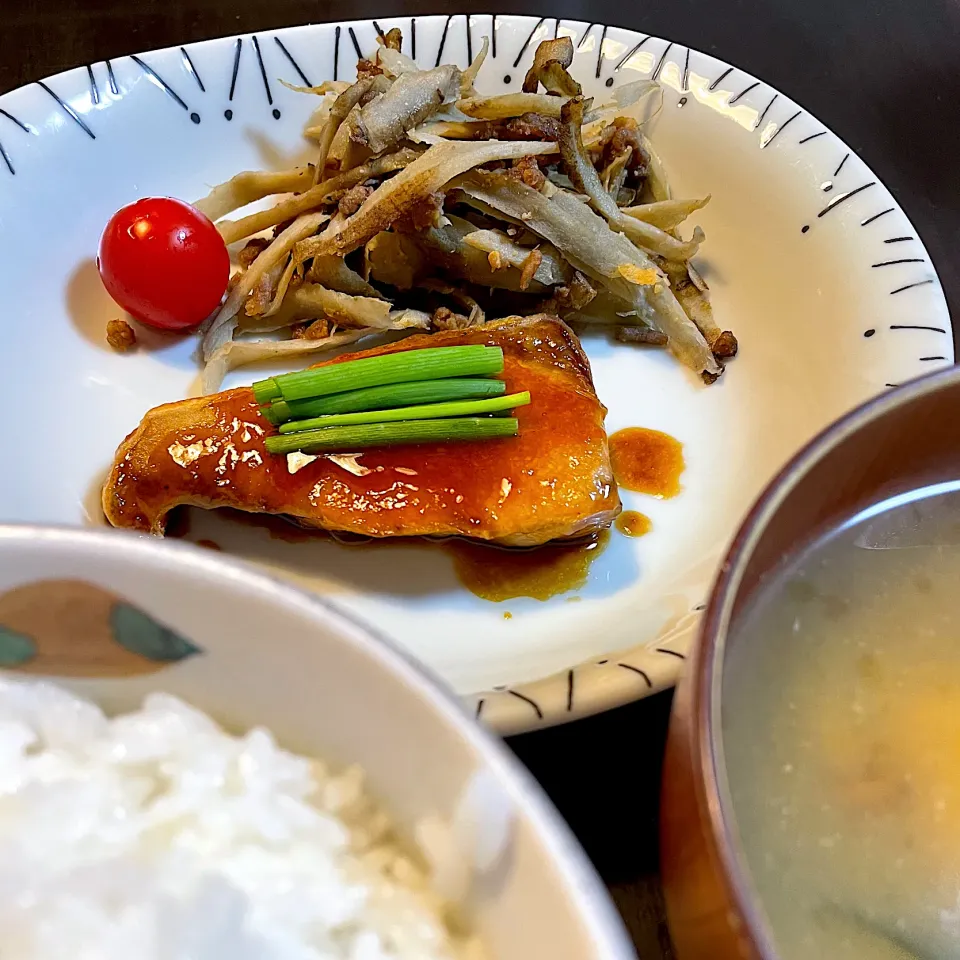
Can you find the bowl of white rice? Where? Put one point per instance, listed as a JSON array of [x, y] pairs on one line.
[[198, 762]]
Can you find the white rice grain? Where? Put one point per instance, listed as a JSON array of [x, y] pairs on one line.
[[157, 835]]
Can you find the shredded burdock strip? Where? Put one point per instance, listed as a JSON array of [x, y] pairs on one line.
[[585, 178], [393, 62], [570, 300], [398, 196], [321, 90], [559, 51], [224, 323], [334, 274], [272, 283], [557, 81], [394, 259], [694, 296], [469, 76], [666, 214], [507, 105], [316, 196], [250, 186], [614, 174], [551, 270], [292, 275], [640, 335], [392, 39], [237, 353], [447, 248], [588, 243], [311, 301]]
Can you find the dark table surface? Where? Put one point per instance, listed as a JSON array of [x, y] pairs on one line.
[[883, 74]]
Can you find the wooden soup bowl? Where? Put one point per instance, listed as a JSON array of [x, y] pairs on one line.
[[906, 439]]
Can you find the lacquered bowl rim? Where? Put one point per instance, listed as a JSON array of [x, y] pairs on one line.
[[715, 629]]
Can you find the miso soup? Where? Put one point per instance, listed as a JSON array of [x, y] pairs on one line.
[[840, 725]]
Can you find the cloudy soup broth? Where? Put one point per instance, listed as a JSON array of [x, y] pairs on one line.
[[840, 726]]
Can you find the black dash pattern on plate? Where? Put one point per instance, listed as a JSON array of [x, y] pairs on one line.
[[163, 85], [3, 152], [526, 699], [293, 63], [911, 286], [191, 69], [843, 197], [723, 76], [672, 653], [263, 76], [68, 110], [893, 263], [639, 672], [744, 92], [876, 216], [94, 89], [237, 50], [23, 126], [776, 133], [765, 111], [112, 80], [356, 43], [526, 43], [600, 46], [660, 63], [916, 326], [443, 39]]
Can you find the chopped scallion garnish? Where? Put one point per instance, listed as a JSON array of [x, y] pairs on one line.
[[430, 363], [427, 411], [385, 398], [387, 434], [266, 391]]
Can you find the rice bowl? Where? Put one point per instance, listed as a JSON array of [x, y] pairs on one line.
[[133, 823]]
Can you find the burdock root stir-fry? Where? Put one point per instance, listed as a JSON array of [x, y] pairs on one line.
[[431, 207]]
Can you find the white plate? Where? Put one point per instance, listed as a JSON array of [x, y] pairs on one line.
[[812, 264]]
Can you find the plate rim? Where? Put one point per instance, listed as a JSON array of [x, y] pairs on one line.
[[610, 680]]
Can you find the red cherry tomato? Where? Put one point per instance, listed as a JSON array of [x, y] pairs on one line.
[[164, 263]]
